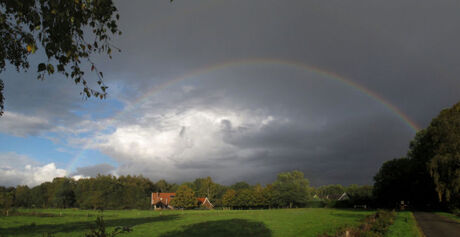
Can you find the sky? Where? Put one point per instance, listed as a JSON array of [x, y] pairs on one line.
[[240, 91]]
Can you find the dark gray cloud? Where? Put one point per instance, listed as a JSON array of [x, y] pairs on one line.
[[261, 118], [94, 170], [22, 126]]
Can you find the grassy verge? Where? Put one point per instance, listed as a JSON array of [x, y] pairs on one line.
[[375, 225], [404, 225], [449, 215]]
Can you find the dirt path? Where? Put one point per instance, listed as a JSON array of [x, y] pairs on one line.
[[433, 225]]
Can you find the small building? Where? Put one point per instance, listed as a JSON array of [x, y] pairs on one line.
[[205, 203], [163, 200], [344, 197]]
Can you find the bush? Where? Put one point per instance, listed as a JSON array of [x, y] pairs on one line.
[[99, 229]]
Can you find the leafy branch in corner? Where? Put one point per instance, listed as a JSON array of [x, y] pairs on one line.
[[69, 33]]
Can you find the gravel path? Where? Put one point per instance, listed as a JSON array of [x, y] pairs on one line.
[[434, 225]]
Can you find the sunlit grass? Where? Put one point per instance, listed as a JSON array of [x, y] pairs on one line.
[[404, 225], [275, 222]]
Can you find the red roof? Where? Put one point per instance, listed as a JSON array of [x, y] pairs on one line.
[[166, 198]]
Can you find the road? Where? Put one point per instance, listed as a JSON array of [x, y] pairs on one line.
[[434, 225]]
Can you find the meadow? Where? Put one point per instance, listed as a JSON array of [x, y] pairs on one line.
[[274, 222]]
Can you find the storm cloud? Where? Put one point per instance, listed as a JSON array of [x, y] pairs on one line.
[[242, 90]]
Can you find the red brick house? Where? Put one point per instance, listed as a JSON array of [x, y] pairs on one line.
[[163, 200]]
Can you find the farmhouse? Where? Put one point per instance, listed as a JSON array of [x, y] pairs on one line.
[[163, 200]]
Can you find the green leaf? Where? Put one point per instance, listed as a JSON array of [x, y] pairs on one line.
[[41, 67], [50, 68]]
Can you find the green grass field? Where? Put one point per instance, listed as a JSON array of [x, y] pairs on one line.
[[275, 222], [404, 226]]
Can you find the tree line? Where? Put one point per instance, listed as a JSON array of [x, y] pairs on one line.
[[290, 189], [429, 175]]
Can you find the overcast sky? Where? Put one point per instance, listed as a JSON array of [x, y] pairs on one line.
[[242, 90]]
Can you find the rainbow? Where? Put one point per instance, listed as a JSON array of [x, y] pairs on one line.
[[264, 61]]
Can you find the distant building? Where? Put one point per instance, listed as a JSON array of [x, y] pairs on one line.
[[204, 202], [163, 200], [343, 197]]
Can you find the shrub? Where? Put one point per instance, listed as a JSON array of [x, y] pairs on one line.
[[99, 229]]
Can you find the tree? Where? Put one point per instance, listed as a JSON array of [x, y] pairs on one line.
[[162, 186], [64, 196], [292, 189], [205, 187], [438, 147], [63, 30], [270, 195], [22, 196], [430, 175], [259, 197], [360, 194], [228, 200], [245, 198], [393, 182], [185, 197], [6, 198]]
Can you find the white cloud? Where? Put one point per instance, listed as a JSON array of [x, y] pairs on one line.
[[162, 146], [78, 177], [18, 169]]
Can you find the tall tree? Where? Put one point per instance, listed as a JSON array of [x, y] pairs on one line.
[[245, 198], [292, 189], [64, 196], [185, 198], [393, 182], [205, 187], [162, 186], [259, 197], [66, 32], [22, 196], [6, 200], [431, 175], [439, 147], [228, 200]]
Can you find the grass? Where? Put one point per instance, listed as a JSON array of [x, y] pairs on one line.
[[275, 222], [449, 215], [404, 225]]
